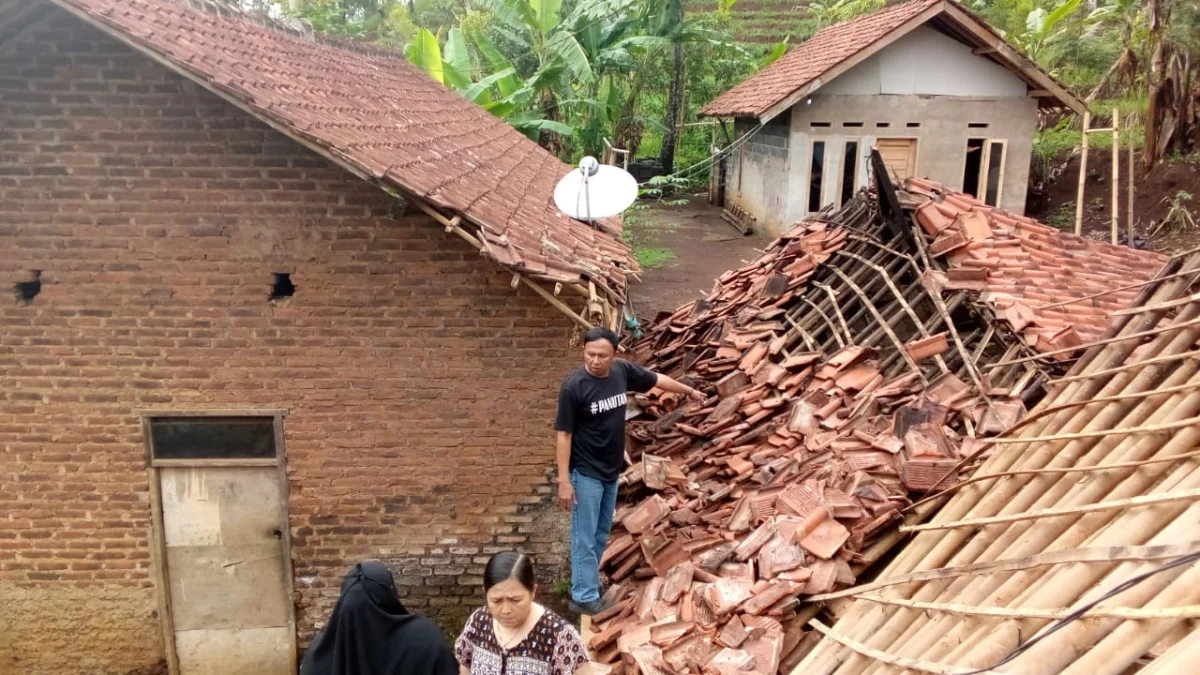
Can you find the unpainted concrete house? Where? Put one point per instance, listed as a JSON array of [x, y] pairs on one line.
[[276, 305], [926, 82]]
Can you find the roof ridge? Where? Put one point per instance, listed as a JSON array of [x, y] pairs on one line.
[[887, 8], [292, 26]]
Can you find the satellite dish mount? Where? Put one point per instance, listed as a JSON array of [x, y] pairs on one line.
[[595, 191]]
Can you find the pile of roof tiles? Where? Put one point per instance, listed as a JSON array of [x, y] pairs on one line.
[[856, 364], [776, 485], [1026, 271]]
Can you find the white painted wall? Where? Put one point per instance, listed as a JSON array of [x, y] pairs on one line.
[[926, 62], [924, 78]]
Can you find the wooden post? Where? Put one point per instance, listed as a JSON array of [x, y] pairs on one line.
[[1116, 174], [1087, 123], [1129, 196]]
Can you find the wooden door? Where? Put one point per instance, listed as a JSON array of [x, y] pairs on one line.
[[225, 551], [899, 156]]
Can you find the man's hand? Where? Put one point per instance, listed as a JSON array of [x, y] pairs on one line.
[[566, 495], [697, 395]]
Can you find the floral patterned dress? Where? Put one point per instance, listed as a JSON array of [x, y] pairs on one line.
[[552, 647]]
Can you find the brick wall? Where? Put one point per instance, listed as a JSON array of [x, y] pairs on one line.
[[419, 385]]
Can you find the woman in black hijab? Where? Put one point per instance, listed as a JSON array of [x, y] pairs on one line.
[[371, 633]]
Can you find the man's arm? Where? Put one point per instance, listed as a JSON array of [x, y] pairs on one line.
[[562, 455], [667, 383]]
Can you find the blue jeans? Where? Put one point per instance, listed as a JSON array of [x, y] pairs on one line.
[[591, 521]]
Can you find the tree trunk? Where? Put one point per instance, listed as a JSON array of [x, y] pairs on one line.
[[546, 138], [674, 109], [1157, 85]]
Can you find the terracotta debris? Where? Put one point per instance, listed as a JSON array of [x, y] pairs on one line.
[[821, 425]]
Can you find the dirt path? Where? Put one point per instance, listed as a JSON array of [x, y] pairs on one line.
[[686, 247]]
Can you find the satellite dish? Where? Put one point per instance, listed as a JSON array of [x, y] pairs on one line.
[[595, 191]]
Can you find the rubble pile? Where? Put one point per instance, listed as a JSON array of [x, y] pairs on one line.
[[778, 484]]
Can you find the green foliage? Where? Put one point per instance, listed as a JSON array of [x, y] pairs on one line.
[[1179, 216], [652, 258], [1063, 217]]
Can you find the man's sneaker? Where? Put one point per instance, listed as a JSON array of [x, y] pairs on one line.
[[589, 608]]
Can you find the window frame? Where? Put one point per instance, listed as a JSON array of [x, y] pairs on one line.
[[275, 416], [985, 170], [858, 151], [812, 150]]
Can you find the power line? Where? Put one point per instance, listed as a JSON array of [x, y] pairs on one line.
[[1077, 614], [737, 143]]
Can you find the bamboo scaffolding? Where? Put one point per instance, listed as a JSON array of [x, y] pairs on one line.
[[882, 628]]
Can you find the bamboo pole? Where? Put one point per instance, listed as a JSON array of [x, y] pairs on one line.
[[1116, 171], [882, 322], [1000, 496], [1180, 658], [1123, 613], [1115, 645], [1075, 587], [1084, 469], [1063, 586], [1129, 196], [1083, 161], [1025, 537], [1114, 505], [1085, 585], [930, 551], [1044, 534], [1094, 554], [919, 665]]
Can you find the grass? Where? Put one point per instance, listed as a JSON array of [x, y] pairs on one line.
[[639, 226], [652, 258], [1064, 217]]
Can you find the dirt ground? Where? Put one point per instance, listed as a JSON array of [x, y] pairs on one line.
[[702, 245], [1057, 206]]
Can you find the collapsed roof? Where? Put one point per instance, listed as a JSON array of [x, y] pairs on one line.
[[1072, 548], [849, 368]]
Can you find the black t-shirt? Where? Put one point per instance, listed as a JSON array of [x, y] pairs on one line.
[[592, 409]]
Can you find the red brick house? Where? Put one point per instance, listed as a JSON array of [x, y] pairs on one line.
[[278, 305]]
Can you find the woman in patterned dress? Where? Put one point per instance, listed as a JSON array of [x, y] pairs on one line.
[[512, 634]]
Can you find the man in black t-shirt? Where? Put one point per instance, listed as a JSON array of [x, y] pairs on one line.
[[590, 449]]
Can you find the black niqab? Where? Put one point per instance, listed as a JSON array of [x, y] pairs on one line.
[[371, 633]]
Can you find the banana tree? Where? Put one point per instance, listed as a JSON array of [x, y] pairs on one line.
[[1043, 28], [536, 29], [452, 67]]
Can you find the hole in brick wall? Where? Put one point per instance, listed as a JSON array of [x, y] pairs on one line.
[[853, 125], [819, 125], [913, 125], [28, 290], [977, 125], [283, 286], [883, 125]]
